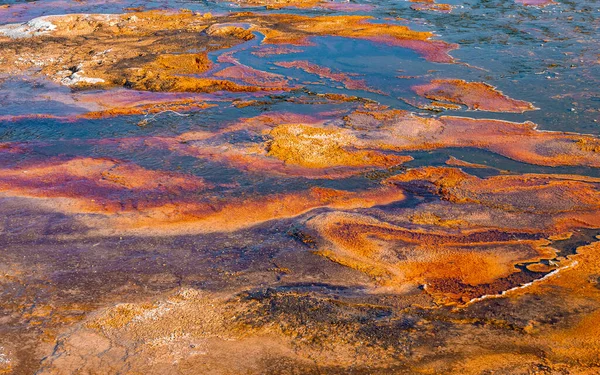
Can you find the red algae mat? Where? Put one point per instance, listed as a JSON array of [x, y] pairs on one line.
[[299, 187]]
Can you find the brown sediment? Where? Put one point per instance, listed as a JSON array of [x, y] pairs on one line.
[[521, 193], [315, 147], [132, 198], [97, 185], [589, 144], [226, 215], [277, 50], [341, 97], [435, 104], [524, 142], [299, 29], [562, 202], [505, 221], [248, 103], [149, 80], [229, 30], [401, 258], [174, 73], [194, 63], [291, 145], [125, 50], [324, 72], [430, 5], [518, 141], [289, 161], [302, 27], [381, 113], [475, 95]]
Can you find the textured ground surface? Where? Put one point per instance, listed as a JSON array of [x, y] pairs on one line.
[[300, 187]]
